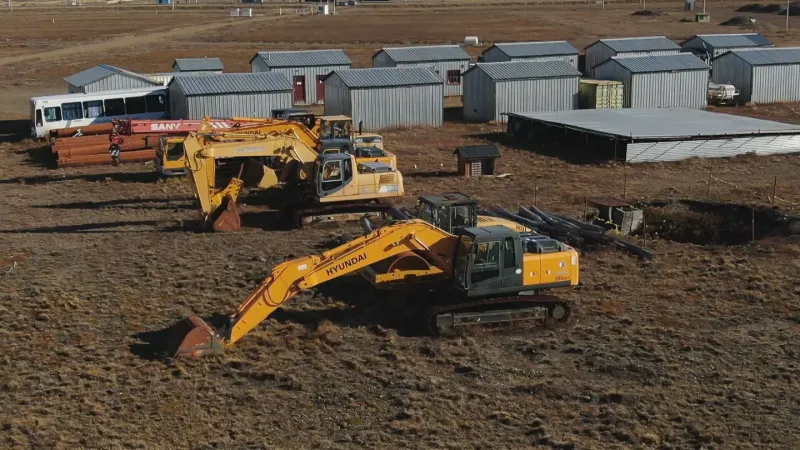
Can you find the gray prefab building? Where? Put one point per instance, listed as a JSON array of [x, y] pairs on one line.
[[447, 61], [106, 78], [709, 46], [604, 49], [386, 97], [531, 51], [209, 65], [766, 75], [660, 81], [306, 70], [493, 89], [228, 95]]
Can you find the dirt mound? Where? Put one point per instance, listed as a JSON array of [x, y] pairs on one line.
[[771, 8], [753, 7], [703, 223], [740, 21], [649, 13]]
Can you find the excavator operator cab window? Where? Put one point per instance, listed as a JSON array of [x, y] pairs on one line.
[[460, 216], [486, 264], [335, 174], [174, 151], [425, 212]]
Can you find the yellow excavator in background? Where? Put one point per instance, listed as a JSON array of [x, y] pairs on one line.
[[170, 156], [479, 275], [314, 187]]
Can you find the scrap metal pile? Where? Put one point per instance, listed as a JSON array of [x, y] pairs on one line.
[[577, 233]]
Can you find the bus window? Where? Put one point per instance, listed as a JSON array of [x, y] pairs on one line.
[[72, 111], [135, 105], [115, 107], [38, 117], [52, 114], [93, 108], [156, 103]]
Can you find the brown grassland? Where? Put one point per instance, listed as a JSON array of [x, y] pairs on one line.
[[696, 349]]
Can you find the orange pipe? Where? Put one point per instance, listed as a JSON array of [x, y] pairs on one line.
[[101, 128], [141, 155]]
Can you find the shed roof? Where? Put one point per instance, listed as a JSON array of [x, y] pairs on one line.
[[660, 63], [425, 53], [232, 83], [387, 77], [197, 64], [639, 44], [478, 151], [544, 48], [767, 56], [732, 40], [521, 70], [304, 58], [101, 72]]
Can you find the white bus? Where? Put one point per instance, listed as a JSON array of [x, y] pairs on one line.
[[55, 112]]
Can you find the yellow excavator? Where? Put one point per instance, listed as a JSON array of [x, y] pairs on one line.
[[479, 275], [170, 156], [314, 187]]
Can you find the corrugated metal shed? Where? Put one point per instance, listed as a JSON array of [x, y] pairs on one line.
[[660, 63], [493, 89], [448, 62], [603, 49], [732, 40], [770, 56], [387, 77], [228, 95], [665, 81], [104, 77], [386, 97], [425, 53], [303, 58], [198, 65], [527, 69], [666, 134], [639, 44], [233, 83], [533, 49], [305, 69], [764, 75]]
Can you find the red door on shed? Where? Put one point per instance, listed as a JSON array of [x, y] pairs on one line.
[[321, 88], [299, 89]]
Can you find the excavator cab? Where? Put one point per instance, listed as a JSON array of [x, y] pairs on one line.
[[169, 159], [488, 260], [304, 116], [450, 211]]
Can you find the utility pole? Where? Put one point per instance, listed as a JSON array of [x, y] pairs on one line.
[[788, 7], [704, 6]]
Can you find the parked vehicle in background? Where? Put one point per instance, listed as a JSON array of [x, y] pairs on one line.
[[56, 112]]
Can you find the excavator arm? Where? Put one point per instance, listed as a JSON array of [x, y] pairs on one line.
[[289, 278]]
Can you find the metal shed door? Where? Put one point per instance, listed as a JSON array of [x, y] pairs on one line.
[[299, 89], [321, 88]]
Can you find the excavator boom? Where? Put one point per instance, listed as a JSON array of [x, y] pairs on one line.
[[289, 278]]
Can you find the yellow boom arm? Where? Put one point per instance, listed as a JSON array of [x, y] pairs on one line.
[[290, 278]]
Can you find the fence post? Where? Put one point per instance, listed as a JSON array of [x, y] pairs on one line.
[[625, 183], [586, 209], [753, 224], [708, 189], [535, 189], [644, 227], [774, 189]]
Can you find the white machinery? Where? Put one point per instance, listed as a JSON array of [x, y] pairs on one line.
[[722, 94]]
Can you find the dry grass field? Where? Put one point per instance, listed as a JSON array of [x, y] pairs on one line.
[[696, 349]]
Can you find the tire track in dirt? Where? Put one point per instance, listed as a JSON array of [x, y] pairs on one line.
[[126, 41]]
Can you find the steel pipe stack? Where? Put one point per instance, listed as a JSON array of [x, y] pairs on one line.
[[94, 149]]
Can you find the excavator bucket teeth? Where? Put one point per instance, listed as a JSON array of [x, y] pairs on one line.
[[199, 338], [228, 219]]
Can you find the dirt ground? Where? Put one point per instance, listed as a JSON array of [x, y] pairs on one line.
[[696, 349]]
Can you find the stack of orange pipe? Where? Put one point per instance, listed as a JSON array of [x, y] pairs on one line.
[[101, 128], [85, 150], [131, 156]]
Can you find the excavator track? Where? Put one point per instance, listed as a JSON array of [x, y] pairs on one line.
[[440, 318], [308, 214]]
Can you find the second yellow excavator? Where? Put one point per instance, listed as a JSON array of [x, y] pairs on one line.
[[479, 275], [314, 187]]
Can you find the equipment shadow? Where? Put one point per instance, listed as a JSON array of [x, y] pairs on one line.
[[161, 344], [133, 203], [572, 148], [105, 227], [137, 177], [14, 130]]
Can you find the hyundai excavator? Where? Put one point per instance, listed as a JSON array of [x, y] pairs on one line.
[[314, 187], [480, 275]]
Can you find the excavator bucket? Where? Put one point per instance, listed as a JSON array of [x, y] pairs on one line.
[[228, 217], [198, 338]]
